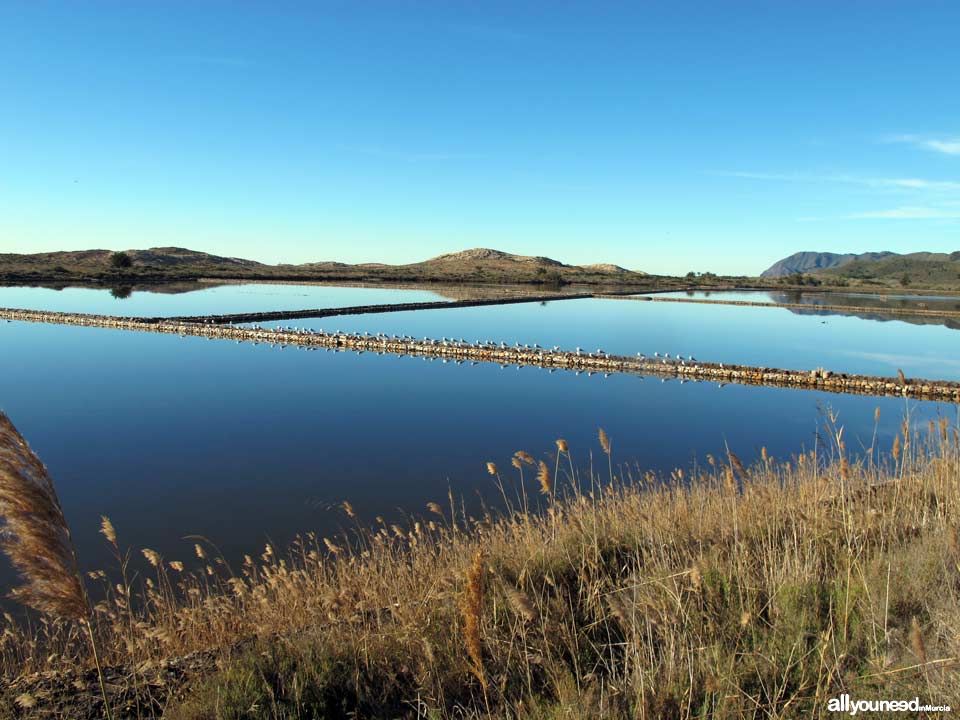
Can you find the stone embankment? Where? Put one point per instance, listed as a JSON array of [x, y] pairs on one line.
[[926, 312], [361, 309], [532, 356]]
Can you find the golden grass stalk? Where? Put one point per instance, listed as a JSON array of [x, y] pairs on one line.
[[471, 607], [604, 440], [522, 604], [916, 641], [524, 457], [562, 445], [107, 530], [37, 539], [543, 477]]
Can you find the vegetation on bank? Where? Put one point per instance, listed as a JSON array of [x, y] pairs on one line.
[[918, 272], [719, 591], [478, 266]]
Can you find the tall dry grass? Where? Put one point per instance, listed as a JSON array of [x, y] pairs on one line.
[[731, 590]]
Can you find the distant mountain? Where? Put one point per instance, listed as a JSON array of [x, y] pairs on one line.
[[154, 258], [807, 262], [925, 269], [481, 265]]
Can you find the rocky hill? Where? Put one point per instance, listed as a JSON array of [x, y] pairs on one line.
[[478, 265], [878, 269], [807, 262]]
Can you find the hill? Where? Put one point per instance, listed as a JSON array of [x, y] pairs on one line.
[[930, 269], [478, 265], [877, 269], [805, 262]]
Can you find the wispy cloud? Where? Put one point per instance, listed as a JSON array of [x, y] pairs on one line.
[[873, 182], [936, 200], [907, 212], [946, 145]]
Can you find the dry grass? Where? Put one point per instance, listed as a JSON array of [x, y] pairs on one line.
[[693, 595]]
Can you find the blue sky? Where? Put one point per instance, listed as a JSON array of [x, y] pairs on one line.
[[665, 137]]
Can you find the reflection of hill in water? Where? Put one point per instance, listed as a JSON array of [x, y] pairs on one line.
[[880, 302], [952, 323], [123, 291], [444, 291]]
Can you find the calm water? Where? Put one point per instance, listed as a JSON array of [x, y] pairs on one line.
[[201, 299], [905, 302], [772, 337], [238, 443]]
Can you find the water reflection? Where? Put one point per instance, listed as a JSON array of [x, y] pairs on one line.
[[714, 333], [241, 443]]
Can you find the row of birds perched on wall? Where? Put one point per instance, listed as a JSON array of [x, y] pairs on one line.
[[665, 358]]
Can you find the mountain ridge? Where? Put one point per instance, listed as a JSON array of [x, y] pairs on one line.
[[472, 265], [811, 261]]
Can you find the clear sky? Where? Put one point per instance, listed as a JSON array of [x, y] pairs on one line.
[[663, 136]]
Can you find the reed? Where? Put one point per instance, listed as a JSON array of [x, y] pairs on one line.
[[37, 540], [730, 590]]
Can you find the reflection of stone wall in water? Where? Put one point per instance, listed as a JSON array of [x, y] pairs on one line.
[[951, 323], [555, 359]]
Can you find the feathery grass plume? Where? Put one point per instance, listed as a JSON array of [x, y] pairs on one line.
[[435, 508], [696, 578], [735, 462], [729, 480], [562, 445], [953, 544], [36, 537], [331, 546], [107, 530], [471, 607], [492, 468], [152, 556], [348, 509], [876, 414], [896, 448], [201, 553], [604, 440], [524, 457], [522, 604], [916, 641], [25, 701], [37, 540], [543, 477], [944, 424], [901, 378]]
